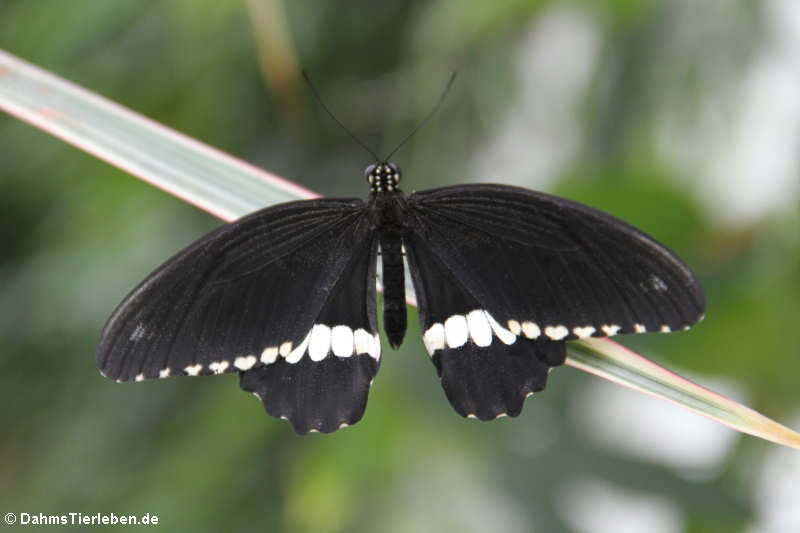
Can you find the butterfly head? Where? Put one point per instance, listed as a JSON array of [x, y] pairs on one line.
[[383, 177]]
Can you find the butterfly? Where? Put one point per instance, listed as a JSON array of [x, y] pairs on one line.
[[503, 276]]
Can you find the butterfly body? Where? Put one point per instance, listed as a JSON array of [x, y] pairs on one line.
[[503, 277], [390, 212]]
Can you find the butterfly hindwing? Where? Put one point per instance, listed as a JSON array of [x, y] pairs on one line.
[[325, 386], [486, 371], [551, 269]]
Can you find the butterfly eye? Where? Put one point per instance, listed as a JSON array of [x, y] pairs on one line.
[[369, 172]]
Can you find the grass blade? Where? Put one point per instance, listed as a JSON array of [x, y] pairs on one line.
[[616, 363], [197, 173]]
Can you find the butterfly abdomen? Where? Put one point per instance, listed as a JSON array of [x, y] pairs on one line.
[[388, 211], [394, 292]]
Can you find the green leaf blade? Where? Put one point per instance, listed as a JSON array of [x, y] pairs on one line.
[[184, 167], [616, 363]]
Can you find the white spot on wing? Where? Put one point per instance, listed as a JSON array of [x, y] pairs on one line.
[[531, 330], [362, 340], [610, 329], [218, 367], [139, 377], [193, 370], [285, 349], [320, 342], [164, 373], [342, 341], [434, 338], [137, 334], [478, 326], [514, 327], [479, 329], [505, 336], [366, 343], [269, 355], [456, 331], [585, 331], [375, 353], [297, 354], [245, 363], [556, 332], [658, 283]]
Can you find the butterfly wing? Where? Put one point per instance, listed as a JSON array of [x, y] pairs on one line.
[[485, 370], [256, 296], [539, 270], [327, 389]]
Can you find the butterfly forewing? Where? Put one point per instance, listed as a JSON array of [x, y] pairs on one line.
[[224, 302], [548, 268]]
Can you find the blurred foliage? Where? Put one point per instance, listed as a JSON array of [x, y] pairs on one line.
[[76, 235]]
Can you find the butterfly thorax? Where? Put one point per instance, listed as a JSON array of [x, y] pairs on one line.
[[388, 209]]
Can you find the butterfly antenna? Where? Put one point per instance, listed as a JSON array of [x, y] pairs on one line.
[[426, 119], [328, 111]]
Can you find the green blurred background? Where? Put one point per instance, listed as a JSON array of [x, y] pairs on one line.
[[681, 117]]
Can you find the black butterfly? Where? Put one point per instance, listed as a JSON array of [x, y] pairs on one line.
[[503, 276]]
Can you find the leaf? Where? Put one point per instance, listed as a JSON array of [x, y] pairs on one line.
[[229, 188], [614, 362], [195, 172]]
